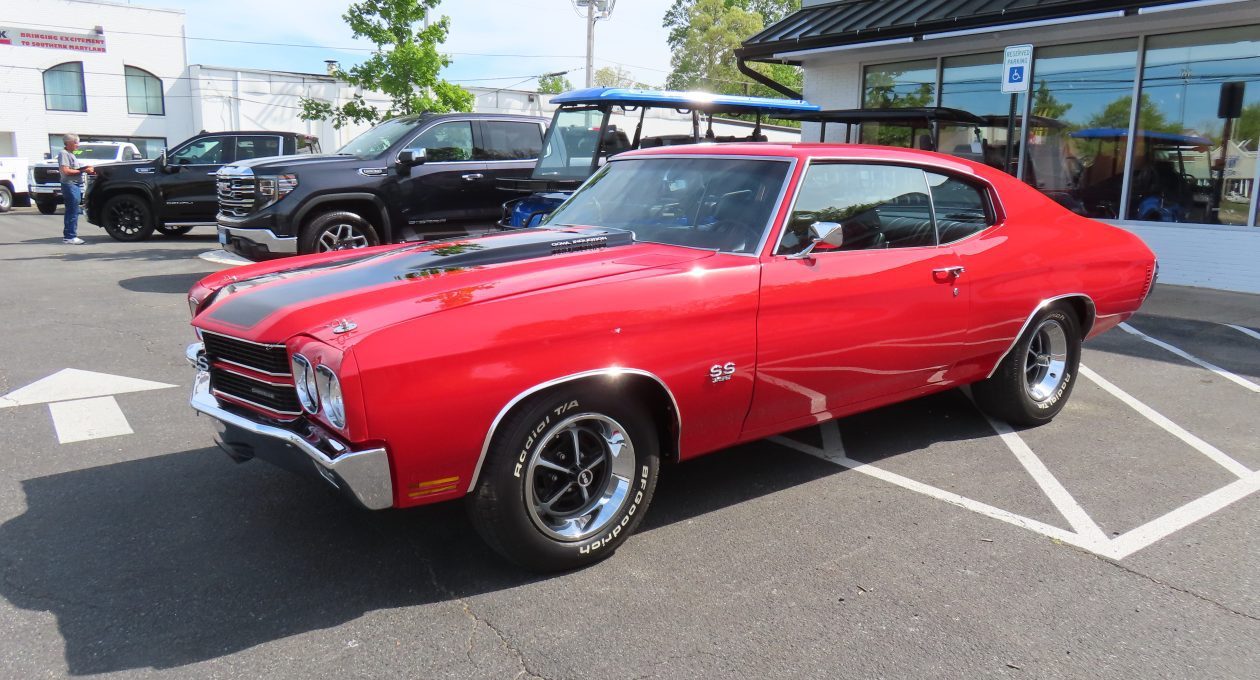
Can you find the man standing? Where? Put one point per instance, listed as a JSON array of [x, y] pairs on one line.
[[71, 187]]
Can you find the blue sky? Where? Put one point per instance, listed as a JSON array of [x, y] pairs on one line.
[[549, 34]]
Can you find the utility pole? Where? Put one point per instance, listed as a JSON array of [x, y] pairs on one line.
[[595, 11]]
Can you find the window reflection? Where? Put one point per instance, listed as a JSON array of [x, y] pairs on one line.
[[1184, 167], [907, 84], [973, 83]]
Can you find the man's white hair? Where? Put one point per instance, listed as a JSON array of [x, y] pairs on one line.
[[69, 139]]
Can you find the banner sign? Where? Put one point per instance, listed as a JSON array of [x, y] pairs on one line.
[[30, 37]]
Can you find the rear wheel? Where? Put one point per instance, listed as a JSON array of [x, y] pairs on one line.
[[337, 230], [1035, 379], [173, 231], [6, 199], [46, 207], [127, 218], [568, 477]]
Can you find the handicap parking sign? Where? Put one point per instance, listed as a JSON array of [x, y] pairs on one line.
[[1016, 61], [1016, 74]]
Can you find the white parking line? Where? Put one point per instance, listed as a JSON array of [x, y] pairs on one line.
[[1244, 330], [1172, 428], [1050, 485], [1143, 536], [1193, 359]]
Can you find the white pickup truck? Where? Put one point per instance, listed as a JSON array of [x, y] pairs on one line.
[[14, 176], [45, 177]]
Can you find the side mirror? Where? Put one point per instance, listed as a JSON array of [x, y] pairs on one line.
[[412, 157], [831, 233], [47, 156]]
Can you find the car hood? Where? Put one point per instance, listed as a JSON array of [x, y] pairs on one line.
[[296, 161], [384, 286]]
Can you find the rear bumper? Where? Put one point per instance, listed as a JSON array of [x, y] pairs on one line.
[[363, 475], [46, 190]]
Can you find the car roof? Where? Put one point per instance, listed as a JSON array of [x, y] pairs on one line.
[[804, 151]]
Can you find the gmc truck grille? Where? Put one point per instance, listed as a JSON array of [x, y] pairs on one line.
[[45, 175], [253, 373], [236, 196]]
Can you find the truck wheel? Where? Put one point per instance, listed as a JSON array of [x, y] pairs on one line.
[[336, 230], [46, 207], [567, 478], [6, 199], [1034, 380], [127, 218], [173, 232]]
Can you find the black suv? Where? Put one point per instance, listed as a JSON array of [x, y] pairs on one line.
[[413, 178], [176, 192]]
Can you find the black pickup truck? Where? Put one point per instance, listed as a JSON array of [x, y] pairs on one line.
[[412, 178], [176, 191]]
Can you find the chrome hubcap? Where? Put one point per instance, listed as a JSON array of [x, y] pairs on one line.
[[342, 237], [579, 476], [1045, 367]]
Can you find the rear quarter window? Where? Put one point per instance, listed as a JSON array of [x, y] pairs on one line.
[[961, 209]]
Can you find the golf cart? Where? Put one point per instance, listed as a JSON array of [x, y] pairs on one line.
[[593, 124], [1171, 176]]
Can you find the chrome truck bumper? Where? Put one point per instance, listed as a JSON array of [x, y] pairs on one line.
[[362, 475]]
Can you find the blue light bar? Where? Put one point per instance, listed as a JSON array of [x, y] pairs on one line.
[[669, 99]]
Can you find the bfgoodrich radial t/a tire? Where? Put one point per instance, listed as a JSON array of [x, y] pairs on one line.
[[1035, 379], [568, 477]]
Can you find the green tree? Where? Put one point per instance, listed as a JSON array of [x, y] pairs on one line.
[[1247, 127], [1116, 115], [613, 76], [554, 84], [704, 35], [1047, 105], [406, 65]]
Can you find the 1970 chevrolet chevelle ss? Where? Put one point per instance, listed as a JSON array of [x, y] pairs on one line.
[[684, 300]]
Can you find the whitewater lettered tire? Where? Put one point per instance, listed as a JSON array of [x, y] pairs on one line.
[[568, 477], [1035, 379], [127, 218]]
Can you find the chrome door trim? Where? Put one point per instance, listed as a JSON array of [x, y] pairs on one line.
[[1036, 310], [610, 372]]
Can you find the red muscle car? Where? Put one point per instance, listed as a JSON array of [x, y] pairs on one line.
[[684, 300]]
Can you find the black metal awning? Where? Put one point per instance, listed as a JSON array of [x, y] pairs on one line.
[[856, 22]]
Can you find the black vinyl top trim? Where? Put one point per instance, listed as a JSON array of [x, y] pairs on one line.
[[855, 22]]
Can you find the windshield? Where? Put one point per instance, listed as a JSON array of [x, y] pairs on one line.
[[571, 144], [712, 203], [97, 152], [377, 141]]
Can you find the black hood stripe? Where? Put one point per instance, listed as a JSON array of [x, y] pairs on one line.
[[247, 308]]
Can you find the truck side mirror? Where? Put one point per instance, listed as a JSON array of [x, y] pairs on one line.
[[412, 157]]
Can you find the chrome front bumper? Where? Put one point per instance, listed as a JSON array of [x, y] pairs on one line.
[[363, 475], [266, 238]]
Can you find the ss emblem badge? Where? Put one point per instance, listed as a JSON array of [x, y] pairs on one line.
[[722, 372]]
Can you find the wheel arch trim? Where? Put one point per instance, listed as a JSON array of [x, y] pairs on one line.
[[610, 372], [1085, 329], [315, 202]]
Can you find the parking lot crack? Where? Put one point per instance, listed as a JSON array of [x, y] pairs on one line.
[[1179, 589]]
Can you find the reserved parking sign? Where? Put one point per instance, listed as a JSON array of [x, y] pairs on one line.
[[1016, 68]]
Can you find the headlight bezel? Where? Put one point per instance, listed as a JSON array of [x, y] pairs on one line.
[[305, 382], [272, 188], [331, 400]]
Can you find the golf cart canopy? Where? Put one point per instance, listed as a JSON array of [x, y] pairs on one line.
[[684, 101], [1117, 133]]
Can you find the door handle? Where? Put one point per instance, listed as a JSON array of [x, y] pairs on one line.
[[472, 176], [951, 272]]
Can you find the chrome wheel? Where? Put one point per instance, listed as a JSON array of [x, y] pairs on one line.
[[342, 236], [1045, 366], [578, 477]]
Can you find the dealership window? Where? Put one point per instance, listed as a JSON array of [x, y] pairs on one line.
[[63, 87], [1184, 167], [144, 92], [907, 84], [973, 83], [1082, 101]]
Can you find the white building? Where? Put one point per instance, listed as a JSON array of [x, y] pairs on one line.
[[1155, 169]]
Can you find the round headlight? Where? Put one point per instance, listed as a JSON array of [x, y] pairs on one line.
[[304, 381], [330, 397]]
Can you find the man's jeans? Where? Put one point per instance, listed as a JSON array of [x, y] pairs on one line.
[[71, 193]]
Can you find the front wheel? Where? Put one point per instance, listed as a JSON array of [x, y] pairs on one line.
[[46, 207], [6, 199], [173, 232], [1035, 379], [337, 230], [567, 479], [127, 218]]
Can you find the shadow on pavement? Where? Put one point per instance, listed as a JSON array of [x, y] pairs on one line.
[[90, 253], [162, 283]]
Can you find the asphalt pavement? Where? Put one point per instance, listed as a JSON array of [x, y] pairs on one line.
[[920, 540]]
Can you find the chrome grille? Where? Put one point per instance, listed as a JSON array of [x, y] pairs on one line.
[[263, 358], [47, 175], [236, 195]]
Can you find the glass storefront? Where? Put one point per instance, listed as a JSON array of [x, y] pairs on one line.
[[1187, 164]]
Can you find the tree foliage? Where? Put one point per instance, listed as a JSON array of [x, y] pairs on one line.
[[554, 84], [704, 34], [406, 65], [1046, 105], [1116, 115], [613, 76]]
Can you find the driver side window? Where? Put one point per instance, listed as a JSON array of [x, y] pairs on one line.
[[878, 206], [207, 151], [446, 142]]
